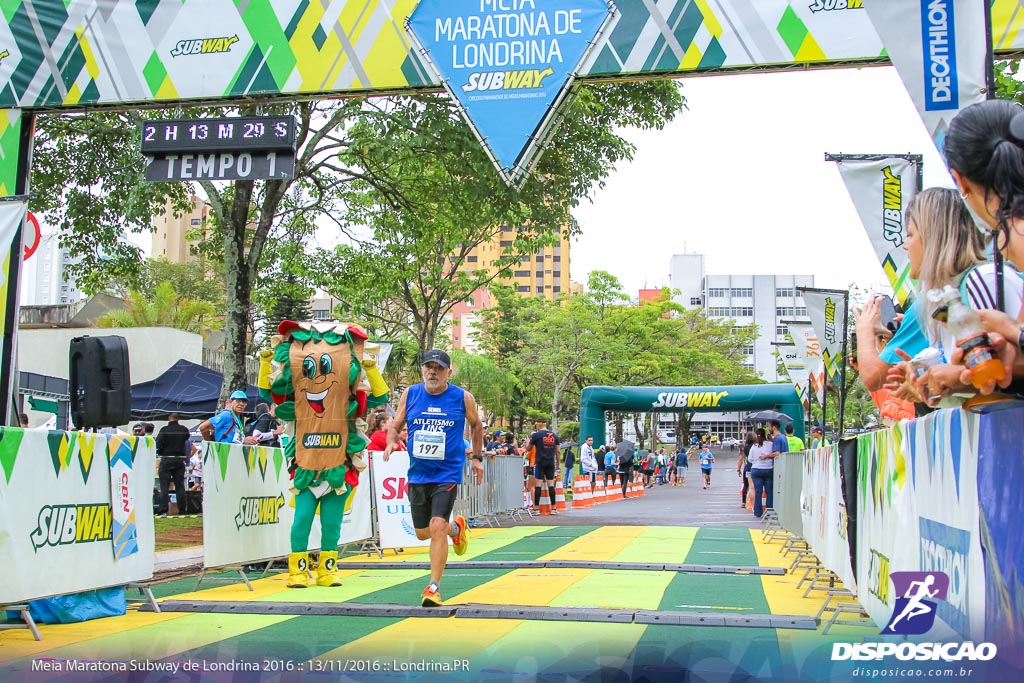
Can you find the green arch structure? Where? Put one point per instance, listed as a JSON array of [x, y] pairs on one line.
[[596, 401]]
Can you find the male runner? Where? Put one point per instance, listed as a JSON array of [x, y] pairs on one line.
[[437, 413]]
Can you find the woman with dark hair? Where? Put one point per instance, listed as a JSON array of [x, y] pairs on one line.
[[743, 467], [984, 148], [762, 464]]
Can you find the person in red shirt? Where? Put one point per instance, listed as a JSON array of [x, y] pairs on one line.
[[379, 431]]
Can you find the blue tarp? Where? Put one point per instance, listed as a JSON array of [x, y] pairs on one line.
[[185, 388]]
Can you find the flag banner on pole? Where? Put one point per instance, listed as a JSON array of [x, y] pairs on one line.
[[827, 311], [808, 348], [797, 370], [881, 188], [938, 49]]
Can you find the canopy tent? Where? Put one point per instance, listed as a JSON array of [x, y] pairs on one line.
[[185, 388]]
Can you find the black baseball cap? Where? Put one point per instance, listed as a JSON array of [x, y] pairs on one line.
[[437, 356]]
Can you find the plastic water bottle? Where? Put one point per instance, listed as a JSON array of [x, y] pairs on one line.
[[965, 326]]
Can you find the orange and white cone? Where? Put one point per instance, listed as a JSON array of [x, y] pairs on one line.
[[545, 502], [559, 497], [641, 489], [581, 494]]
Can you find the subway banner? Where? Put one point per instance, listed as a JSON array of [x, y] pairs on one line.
[[391, 491], [73, 52], [248, 506], [938, 49], [823, 512], [918, 511], [808, 348], [881, 188], [57, 513], [827, 310]]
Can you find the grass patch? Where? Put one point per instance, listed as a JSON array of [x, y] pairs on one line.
[[165, 523]]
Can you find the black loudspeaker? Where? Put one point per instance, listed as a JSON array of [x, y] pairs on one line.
[[99, 382]]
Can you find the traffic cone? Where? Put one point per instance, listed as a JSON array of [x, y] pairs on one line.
[[545, 502], [559, 497], [582, 499], [641, 489]]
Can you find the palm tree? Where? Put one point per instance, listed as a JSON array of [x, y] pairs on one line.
[[166, 309]]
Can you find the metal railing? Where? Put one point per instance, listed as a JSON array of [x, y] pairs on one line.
[[501, 492]]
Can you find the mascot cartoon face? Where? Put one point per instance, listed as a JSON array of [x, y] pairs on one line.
[[323, 367], [317, 369]]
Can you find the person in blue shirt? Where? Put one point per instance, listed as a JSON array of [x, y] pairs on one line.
[[437, 413], [707, 459], [226, 426]]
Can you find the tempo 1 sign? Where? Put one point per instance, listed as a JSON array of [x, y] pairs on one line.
[[221, 166], [240, 148]]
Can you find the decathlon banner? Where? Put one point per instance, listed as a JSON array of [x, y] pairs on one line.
[[938, 49], [808, 348], [823, 512], [918, 510], [391, 497], [827, 310], [797, 371], [248, 507], [881, 189], [56, 513]]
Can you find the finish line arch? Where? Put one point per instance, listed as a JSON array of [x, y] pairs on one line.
[[596, 401]]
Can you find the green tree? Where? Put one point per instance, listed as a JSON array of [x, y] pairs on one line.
[[413, 265], [490, 385], [164, 309]]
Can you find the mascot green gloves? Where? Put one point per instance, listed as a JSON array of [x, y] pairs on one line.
[[315, 374]]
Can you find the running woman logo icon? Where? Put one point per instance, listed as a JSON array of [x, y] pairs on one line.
[[914, 613]]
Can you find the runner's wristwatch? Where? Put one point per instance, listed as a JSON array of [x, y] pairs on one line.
[[477, 456]]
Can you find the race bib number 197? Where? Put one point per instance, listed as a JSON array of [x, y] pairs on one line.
[[428, 445]]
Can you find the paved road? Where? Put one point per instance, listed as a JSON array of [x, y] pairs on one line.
[[671, 506]]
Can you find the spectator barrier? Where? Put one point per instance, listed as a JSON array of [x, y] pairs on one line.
[[75, 512], [787, 485], [248, 508], [910, 496]]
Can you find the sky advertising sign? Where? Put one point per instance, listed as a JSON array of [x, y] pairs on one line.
[[509, 64]]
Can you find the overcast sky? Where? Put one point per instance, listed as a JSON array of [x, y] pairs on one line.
[[741, 178]]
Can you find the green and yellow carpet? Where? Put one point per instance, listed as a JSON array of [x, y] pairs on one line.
[[232, 629]]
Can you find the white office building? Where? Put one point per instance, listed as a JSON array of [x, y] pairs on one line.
[[43, 275], [763, 300]]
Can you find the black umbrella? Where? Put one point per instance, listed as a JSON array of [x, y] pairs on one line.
[[568, 444], [624, 449], [769, 415]]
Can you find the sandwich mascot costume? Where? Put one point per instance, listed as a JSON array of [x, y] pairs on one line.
[[316, 375]]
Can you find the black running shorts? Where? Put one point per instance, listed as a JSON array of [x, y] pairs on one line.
[[431, 500], [544, 471]]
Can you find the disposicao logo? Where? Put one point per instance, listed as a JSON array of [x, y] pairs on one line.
[[914, 614]]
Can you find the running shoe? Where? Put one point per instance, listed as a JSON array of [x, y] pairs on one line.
[[431, 596], [460, 542]]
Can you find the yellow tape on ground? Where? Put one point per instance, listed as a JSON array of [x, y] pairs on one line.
[[522, 587], [668, 544], [600, 545]]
